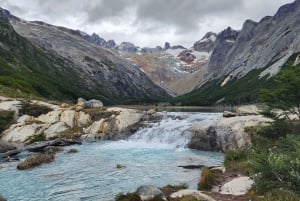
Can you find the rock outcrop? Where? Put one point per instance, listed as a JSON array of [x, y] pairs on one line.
[[207, 43], [92, 120], [224, 133], [237, 186], [150, 192]]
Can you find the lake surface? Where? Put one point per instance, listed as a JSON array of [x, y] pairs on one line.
[[151, 157]]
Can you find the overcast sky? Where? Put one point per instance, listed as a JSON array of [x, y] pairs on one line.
[[145, 22]]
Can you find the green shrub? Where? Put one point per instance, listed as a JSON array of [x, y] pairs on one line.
[[277, 167], [237, 160], [281, 195], [6, 119], [36, 138], [279, 128], [34, 109], [128, 197], [208, 178]]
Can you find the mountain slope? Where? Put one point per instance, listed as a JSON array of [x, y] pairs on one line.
[[63, 67], [243, 62]]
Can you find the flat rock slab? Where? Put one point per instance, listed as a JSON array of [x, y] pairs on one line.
[[237, 186], [197, 194]]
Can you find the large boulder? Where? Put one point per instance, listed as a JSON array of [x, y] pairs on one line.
[[224, 133], [237, 186], [247, 110], [126, 118], [50, 117], [82, 119], [68, 116], [20, 134], [55, 129], [150, 192]]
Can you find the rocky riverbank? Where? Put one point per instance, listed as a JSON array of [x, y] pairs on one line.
[[90, 120]]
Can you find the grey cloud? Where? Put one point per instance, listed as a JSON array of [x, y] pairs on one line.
[[178, 19]]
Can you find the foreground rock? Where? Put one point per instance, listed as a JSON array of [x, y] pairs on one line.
[[237, 186], [5, 146], [224, 133], [39, 147], [34, 161], [150, 192], [197, 194]]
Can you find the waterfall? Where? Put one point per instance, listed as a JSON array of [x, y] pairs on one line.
[[172, 131]]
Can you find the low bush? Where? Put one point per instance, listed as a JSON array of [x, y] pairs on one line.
[[208, 178], [237, 160], [36, 138], [281, 195], [6, 119], [278, 166], [34, 109], [128, 197]]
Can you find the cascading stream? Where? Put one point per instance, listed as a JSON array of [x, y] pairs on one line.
[[149, 157], [172, 131]]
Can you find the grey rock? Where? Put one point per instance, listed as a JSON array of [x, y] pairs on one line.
[[167, 46], [205, 139], [150, 192], [207, 43], [127, 47], [229, 114], [6, 146]]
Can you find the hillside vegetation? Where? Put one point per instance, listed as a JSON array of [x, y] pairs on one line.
[[236, 91]]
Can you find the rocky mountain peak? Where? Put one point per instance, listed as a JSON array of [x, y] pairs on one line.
[[167, 46], [286, 9], [228, 35], [127, 47], [207, 43]]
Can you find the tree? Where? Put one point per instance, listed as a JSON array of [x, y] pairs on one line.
[[286, 95]]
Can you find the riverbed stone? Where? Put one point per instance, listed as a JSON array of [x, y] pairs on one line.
[[150, 192]]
